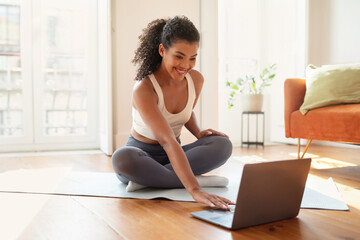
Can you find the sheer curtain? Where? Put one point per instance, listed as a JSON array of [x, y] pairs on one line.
[[253, 35]]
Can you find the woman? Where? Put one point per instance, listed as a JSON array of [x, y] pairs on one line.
[[163, 100]]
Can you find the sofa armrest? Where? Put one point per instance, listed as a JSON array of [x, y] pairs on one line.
[[294, 93]]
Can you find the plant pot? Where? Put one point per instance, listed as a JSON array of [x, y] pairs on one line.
[[252, 102]]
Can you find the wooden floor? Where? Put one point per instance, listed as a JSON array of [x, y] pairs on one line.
[[39, 216]]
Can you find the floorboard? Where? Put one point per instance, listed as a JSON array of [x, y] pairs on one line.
[[40, 216]]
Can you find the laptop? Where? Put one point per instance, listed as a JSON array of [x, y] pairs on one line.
[[268, 192]]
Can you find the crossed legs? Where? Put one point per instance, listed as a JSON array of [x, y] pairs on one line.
[[153, 169]]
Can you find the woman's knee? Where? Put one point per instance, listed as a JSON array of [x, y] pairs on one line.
[[223, 146], [123, 159]]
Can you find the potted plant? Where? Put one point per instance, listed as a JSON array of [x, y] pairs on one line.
[[251, 89]]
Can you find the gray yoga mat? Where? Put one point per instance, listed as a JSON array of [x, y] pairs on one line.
[[319, 193]]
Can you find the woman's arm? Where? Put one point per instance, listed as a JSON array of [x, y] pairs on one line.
[[193, 127], [145, 101]]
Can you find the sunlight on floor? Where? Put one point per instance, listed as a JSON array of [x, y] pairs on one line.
[[307, 155], [32, 180], [248, 159], [18, 211], [325, 163]]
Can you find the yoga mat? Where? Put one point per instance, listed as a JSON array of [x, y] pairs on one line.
[[319, 193], [322, 194]]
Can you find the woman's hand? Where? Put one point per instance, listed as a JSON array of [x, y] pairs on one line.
[[212, 200], [208, 132]]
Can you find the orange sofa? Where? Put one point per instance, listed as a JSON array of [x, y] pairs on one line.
[[339, 123]]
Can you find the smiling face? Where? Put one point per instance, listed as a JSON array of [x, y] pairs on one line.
[[179, 59]]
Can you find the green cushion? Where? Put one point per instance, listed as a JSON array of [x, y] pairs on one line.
[[331, 85]]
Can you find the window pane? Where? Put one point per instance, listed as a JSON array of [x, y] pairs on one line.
[[65, 67], [11, 97]]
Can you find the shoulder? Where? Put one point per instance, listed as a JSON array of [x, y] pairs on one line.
[[196, 76], [143, 92], [198, 80]]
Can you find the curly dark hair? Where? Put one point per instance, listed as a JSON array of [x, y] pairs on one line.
[[165, 31]]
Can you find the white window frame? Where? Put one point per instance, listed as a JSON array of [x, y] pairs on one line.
[[8, 143], [99, 122], [105, 74]]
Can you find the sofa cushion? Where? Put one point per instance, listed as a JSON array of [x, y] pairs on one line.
[[331, 85], [340, 123]]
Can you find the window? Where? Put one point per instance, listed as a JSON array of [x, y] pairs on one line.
[[10, 72], [48, 74], [253, 35]]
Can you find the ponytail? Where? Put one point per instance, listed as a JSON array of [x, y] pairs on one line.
[[147, 54]]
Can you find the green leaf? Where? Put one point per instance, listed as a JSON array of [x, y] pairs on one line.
[[240, 81], [254, 86], [233, 86], [252, 83]]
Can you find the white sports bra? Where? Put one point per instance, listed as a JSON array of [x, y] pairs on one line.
[[176, 121]]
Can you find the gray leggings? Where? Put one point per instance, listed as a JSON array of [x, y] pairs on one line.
[[149, 165]]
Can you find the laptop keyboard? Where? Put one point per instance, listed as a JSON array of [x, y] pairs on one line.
[[224, 219]]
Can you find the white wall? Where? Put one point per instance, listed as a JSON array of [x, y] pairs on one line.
[[334, 34], [128, 20], [209, 64]]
